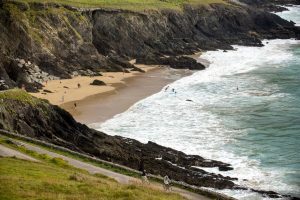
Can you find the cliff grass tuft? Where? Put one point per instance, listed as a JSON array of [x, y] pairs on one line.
[[18, 95], [135, 5]]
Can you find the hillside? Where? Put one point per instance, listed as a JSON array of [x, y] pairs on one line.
[[54, 178], [29, 116], [42, 41], [135, 5]]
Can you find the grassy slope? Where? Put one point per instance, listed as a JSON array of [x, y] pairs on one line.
[[54, 179], [130, 4], [19, 95]]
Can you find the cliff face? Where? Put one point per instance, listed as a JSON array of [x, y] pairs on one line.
[[26, 115], [50, 41], [171, 32]]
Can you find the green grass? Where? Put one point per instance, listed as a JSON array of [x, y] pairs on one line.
[[5, 141], [130, 4], [53, 178], [29, 180], [18, 95]]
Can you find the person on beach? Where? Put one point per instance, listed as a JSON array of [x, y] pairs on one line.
[[167, 183], [167, 88], [78, 85], [75, 105]]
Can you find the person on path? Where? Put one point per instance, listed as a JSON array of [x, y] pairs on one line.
[[144, 177], [167, 182]]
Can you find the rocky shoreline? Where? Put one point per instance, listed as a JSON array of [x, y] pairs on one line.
[[29, 116], [58, 44], [62, 41]]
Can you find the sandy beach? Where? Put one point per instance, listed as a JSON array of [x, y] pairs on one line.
[[75, 89], [99, 103], [103, 106]]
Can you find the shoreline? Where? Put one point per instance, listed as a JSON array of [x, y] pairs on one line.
[[121, 91], [102, 106]]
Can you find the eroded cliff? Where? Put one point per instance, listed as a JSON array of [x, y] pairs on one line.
[[51, 41]]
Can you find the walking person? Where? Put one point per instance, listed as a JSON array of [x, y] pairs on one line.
[[144, 177], [167, 182]]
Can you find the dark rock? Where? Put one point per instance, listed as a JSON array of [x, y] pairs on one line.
[[97, 82], [47, 91], [52, 124], [109, 39], [225, 168], [181, 62], [137, 69]]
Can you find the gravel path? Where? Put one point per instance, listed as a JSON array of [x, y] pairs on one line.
[[7, 152], [123, 179]]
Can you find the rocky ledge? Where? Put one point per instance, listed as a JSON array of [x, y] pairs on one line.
[[26, 115], [63, 41]]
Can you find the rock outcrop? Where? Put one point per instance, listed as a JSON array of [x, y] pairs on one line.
[[63, 41], [97, 82], [26, 115]]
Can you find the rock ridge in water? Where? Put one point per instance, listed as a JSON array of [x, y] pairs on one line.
[[32, 117]]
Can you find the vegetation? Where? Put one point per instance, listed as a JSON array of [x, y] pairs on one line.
[[29, 180], [130, 4], [18, 95], [53, 178], [5, 141]]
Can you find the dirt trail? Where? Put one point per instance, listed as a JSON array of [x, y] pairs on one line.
[[7, 152], [123, 179]]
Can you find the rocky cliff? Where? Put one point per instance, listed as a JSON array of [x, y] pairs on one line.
[[23, 114], [50, 41]]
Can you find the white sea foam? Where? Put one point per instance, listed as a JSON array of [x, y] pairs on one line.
[[291, 14], [194, 127], [197, 126]]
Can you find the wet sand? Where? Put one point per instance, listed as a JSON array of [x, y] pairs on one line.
[[103, 106]]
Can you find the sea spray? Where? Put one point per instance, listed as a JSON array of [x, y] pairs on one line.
[[243, 110]]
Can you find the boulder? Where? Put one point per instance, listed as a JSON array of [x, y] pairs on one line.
[[97, 82], [177, 62]]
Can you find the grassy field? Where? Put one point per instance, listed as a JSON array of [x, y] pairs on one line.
[[130, 4], [53, 178], [6, 142]]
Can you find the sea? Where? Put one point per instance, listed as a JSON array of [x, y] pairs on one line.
[[244, 109]]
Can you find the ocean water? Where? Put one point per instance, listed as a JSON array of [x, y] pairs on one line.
[[245, 110]]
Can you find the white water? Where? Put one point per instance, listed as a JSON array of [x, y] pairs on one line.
[[194, 128], [198, 127], [291, 14]]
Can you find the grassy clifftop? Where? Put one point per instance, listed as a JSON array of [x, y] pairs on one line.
[[53, 178], [129, 4]]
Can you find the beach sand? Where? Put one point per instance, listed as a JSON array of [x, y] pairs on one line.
[[96, 104], [103, 106], [67, 90]]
